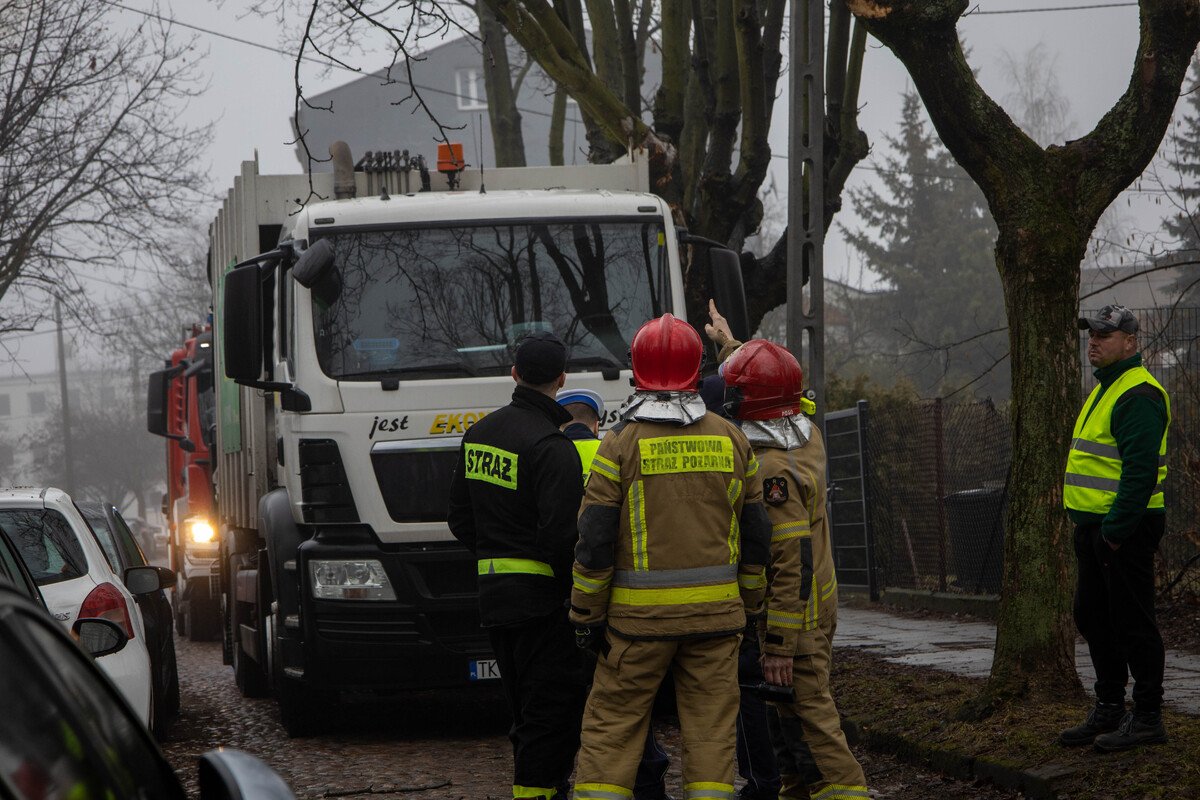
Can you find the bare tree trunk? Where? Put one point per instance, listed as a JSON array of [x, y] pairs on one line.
[[1035, 652], [558, 125], [503, 115]]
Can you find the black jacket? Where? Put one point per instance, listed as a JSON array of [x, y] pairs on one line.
[[515, 495]]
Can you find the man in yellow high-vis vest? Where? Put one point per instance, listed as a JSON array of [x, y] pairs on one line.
[[1113, 492]]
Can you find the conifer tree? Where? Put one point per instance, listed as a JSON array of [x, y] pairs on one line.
[[928, 235]]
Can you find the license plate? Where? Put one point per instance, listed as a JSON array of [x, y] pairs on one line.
[[485, 669]]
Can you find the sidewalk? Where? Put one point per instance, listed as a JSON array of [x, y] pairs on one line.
[[965, 648]]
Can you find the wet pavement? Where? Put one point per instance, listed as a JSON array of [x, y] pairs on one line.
[[965, 648]]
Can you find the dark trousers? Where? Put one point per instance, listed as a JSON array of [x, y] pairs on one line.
[[755, 753], [652, 770], [1114, 611], [545, 680]]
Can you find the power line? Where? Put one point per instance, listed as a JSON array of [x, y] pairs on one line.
[[978, 13], [312, 59]]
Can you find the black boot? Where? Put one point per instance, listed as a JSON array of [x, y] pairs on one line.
[[1103, 718], [1138, 727]]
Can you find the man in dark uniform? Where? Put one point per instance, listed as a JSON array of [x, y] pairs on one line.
[[513, 502]]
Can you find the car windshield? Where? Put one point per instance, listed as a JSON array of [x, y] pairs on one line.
[[94, 516], [430, 302], [47, 544]]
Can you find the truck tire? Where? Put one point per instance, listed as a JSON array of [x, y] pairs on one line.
[[249, 674], [166, 693], [180, 618], [303, 710], [202, 621]]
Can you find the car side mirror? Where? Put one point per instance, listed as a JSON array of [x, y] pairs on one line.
[[144, 580], [99, 637], [234, 775]]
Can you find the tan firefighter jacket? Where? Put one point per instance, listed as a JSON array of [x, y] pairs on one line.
[[673, 537], [802, 586]]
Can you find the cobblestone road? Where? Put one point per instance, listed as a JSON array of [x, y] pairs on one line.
[[435, 746]]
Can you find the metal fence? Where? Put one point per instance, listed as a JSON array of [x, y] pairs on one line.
[[936, 477]]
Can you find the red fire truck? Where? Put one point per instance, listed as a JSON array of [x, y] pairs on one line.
[[180, 407]]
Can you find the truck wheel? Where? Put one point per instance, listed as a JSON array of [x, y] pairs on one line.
[[202, 620], [166, 693], [303, 710], [301, 713], [180, 617], [248, 674]]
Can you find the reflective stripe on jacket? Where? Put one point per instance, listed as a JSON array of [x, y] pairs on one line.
[[668, 563], [802, 585], [1093, 472]]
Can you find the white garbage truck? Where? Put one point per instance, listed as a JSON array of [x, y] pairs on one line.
[[365, 319]]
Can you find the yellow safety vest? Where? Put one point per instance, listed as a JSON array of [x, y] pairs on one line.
[[1094, 464], [587, 453]]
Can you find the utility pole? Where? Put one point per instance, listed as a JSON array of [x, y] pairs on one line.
[[806, 193], [68, 455]]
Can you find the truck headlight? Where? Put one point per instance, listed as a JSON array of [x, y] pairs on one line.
[[350, 580], [200, 532]]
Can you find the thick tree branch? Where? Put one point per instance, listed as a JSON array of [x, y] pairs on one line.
[[979, 133], [1110, 157]]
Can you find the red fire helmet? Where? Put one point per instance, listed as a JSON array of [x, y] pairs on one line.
[[666, 356], [762, 381]]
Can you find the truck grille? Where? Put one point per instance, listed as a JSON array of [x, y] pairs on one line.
[[415, 483]]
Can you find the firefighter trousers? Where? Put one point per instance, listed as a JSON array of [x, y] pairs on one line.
[[545, 682], [810, 748], [617, 714]]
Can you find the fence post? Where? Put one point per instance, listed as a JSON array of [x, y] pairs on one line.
[[865, 468], [940, 488]]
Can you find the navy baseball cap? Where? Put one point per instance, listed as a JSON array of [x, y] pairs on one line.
[[540, 358], [1108, 319]]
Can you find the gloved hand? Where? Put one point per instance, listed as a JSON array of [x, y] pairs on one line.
[[591, 637]]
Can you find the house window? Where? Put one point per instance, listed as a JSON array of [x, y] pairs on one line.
[[468, 84], [5, 405], [37, 402]]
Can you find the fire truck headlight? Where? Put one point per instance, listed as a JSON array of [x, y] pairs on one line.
[[201, 532], [350, 580]]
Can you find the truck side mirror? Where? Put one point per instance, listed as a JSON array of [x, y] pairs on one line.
[[156, 401], [314, 263], [242, 320], [728, 291]]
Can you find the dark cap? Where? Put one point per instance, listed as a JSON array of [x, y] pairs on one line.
[[1110, 318], [541, 357]]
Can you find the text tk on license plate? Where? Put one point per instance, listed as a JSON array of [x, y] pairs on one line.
[[485, 669]]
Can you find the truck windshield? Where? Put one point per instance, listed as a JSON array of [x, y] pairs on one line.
[[428, 302]]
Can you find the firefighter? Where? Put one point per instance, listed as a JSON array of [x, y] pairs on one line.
[[587, 410], [764, 390], [513, 502], [673, 544]]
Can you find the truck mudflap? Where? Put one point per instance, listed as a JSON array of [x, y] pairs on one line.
[[428, 637]]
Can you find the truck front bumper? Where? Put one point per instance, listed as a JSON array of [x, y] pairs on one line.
[[428, 637]]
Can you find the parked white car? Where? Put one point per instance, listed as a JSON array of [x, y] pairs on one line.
[[76, 581]]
